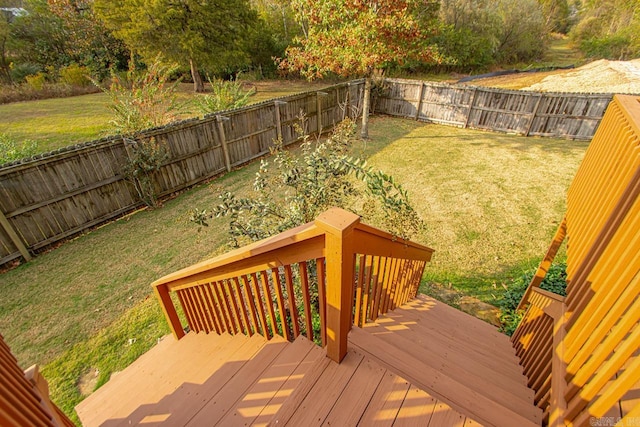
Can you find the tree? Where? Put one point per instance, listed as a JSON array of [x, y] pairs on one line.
[[355, 38], [198, 33], [88, 41], [608, 29]]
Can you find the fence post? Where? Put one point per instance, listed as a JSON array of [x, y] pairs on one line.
[[14, 237], [338, 226], [417, 116], [473, 99], [169, 310], [278, 120], [319, 109], [223, 141], [533, 115], [347, 107]]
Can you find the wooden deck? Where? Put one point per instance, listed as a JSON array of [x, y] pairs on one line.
[[423, 364]]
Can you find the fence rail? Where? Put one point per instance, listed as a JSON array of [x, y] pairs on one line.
[[563, 115], [57, 195]]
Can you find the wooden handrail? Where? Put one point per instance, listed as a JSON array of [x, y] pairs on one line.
[[357, 271]]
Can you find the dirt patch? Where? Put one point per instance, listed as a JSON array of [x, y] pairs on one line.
[[601, 76], [87, 382]]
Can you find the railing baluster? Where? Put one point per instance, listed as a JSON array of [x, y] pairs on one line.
[[251, 304], [366, 290], [269, 301], [221, 304], [306, 297], [378, 273], [288, 275], [197, 312], [277, 285], [235, 284], [322, 299], [260, 302], [357, 320]]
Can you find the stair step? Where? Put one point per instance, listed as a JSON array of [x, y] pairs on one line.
[[158, 389], [440, 385], [265, 397]]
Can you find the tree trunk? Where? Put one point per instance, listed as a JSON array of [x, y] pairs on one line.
[[364, 132], [198, 86]]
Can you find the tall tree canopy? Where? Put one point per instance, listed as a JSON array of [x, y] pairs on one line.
[[355, 37], [210, 34]]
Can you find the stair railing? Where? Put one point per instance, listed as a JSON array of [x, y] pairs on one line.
[[316, 280]]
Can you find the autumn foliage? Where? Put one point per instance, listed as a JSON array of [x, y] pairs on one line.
[[355, 37]]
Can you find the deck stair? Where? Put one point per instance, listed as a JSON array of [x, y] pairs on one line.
[[454, 357], [203, 380], [402, 369]]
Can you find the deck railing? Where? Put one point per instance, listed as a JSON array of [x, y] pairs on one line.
[[317, 280], [582, 353], [24, 396]]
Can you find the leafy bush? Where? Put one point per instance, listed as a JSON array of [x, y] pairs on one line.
[[75, 75], [145, 159], [19, 72], [291, 190], [555, 281], [11, 150], [143, 99], [225, 94], [37, 81]]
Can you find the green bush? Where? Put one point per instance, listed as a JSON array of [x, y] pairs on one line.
[[37, 81], [224, 95], [143, 99], [555, 281], [19, 72], [75, 75], [11, 150]]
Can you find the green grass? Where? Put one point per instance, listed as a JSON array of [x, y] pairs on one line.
[[491, 203], [56, 123]]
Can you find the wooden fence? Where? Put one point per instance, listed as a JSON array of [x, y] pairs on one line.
[[563, 115], [56, 195]]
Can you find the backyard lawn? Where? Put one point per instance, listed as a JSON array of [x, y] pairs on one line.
[[491, 203], [55, 123]]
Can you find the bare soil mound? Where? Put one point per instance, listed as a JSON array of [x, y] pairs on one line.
[[600, 76]]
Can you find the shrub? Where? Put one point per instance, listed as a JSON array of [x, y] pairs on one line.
[[75, 75], [555, 281], [19, 72], [37, 81], [11, 150], [146, 156], [291, 190], [143, 99], [224, 95]]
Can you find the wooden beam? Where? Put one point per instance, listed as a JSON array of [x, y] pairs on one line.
[[338, 226], [223, 141], [169, 310], [14, 237]]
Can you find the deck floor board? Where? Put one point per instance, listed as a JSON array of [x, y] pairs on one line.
[[390, 377]]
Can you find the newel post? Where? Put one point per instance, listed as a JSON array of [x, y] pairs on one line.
[[169, 310], [340, 258]]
